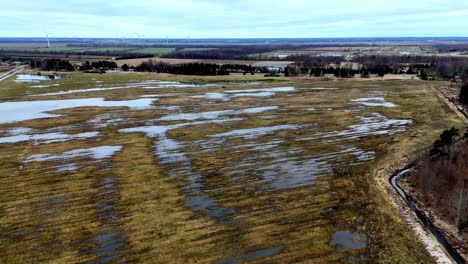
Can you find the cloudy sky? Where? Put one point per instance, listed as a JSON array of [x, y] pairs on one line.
[[234, 18]]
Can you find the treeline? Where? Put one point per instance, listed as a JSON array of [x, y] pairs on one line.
[[101, 65], [64, 65], [438, 66], [441, 178], [195, 68], [52, 65], [462, 47], [441, 67], [347, 72]]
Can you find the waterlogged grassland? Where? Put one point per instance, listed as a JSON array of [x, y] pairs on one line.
[[212, 170]]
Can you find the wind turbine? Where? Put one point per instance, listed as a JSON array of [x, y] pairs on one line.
[[142, 36], [136, 38], [48, 41], [139, 37]]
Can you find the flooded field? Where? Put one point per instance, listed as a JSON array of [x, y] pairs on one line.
[[144, 168]]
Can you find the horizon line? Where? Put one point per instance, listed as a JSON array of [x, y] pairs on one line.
[[235, 38]]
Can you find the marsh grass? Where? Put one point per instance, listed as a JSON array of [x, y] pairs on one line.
[[46, 216]]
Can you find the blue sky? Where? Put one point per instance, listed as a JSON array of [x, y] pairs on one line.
[[234, 19]]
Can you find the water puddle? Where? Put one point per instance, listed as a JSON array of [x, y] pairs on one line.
[[253, 133], [213, 115], [263, 92], [28, 110], [45, 86], [108, 246], [259, 94], [229, 94], [142, 85], [374, 102], [66, 168], [21, 78], [262, 253], [47, 137], [169, 152], [346, 240], [273, 90], [320, 89], [207, 206], [152, 84], [96, 153], [110, 242], [292, 173], [373, 125], [213, 96], [106, 120], [81, 91], [376, 124], [246, 83]]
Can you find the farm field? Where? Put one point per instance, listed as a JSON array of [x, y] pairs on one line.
[[156, 168], [66, 48], [156, 51], [256, 49], [369, 50]]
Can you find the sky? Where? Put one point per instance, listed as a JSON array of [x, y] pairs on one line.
[[234, 18]]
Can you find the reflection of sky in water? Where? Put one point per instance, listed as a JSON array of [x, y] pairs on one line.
[[346, 240], [47, 137], [20, 78], [28, 110], [93, 153]]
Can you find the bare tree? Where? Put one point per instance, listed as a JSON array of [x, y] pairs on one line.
[[460, 202]]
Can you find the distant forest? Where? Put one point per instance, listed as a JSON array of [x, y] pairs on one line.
[[225, 51]]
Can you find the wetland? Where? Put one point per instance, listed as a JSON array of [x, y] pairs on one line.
[[156, 168]]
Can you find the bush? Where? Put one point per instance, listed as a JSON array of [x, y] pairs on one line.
[[58, 65], [446, 138]]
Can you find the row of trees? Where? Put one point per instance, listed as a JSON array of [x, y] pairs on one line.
[[195, 68], [52, 65], [345, 72], [443, 67], [101, 65], [291, 70], [442, 178], [64, 65]]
